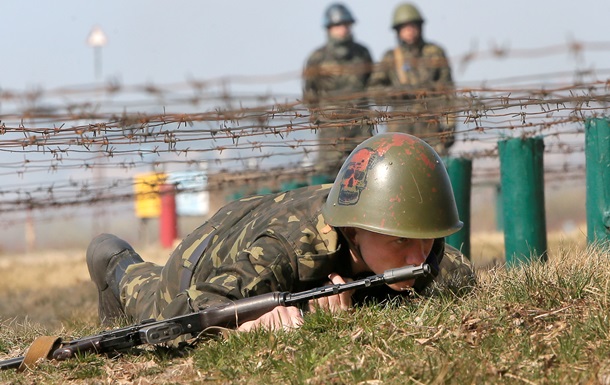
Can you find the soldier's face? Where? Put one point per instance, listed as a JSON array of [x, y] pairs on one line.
[[382, 252], [340, 31], [410, 33]]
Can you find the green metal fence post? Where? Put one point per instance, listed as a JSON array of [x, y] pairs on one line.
[[597, 154], [292, 184], [460, 173], [499, 209], [320, 179], [522, 178]]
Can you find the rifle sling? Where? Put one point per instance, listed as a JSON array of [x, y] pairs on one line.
[[40, 348], [399, 63]]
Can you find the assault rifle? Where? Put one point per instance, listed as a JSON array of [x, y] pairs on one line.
[[227, 315]]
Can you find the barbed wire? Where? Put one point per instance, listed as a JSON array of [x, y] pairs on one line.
[[70, 135]]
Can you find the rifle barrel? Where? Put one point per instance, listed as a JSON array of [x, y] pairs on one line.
[[405, 273], [389, 276], [11, 363]]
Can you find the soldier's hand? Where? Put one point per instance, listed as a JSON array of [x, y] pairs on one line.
[[334, 303], [281, 317]]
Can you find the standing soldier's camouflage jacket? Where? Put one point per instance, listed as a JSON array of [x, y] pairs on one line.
[[254, 246], [416, 81], [335, 79]]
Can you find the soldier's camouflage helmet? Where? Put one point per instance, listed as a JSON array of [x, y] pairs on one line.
[[406, 13], [337, 14], [394, 184]]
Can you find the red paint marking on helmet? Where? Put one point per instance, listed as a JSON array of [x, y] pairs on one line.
[[358, 162], [354, 176], [395, 140], [427, 161]]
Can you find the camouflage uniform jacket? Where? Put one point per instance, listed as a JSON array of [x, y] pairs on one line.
[[335, 79], [405, 76], [333, 73], [255, 245], [422, 67]]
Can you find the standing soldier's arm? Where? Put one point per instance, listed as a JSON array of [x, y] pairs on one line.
[[380, 80], [445, 86], [310, 86], [369, 65], [438, 63], [445, 77], [365, 71]]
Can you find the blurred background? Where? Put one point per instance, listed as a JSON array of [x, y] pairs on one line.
[[96, 94]]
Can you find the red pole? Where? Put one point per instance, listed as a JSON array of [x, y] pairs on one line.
[[168, 223]]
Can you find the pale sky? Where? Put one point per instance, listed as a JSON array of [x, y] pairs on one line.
[[152, 41]]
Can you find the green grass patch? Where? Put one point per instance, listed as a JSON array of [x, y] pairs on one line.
[[543, 323]]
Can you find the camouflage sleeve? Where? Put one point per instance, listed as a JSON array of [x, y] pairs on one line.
[[439, 61], [380, 80], [445, 84], [310, 73], [261, 268], [368, 59], [445, 73], [456, 274], [441, 81]]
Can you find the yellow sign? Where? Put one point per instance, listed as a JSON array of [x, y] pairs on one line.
[[146, 189]]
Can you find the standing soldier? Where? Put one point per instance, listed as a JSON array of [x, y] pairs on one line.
[[415, 79], [335, 78]]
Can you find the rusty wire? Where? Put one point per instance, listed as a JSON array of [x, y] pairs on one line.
[[79, 132]]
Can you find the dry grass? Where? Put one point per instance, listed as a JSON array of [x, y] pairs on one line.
[[487, 248], [51, 288], [540, 323]]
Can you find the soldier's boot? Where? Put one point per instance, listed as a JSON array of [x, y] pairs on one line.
[[107, 259]]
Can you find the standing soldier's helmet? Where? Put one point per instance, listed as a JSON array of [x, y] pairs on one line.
[[406, 13], [337, 14], [394, 184]]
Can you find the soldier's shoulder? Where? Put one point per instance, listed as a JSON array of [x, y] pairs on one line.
[[317, 55], [455, 257], [361, 48], [313, 196], [452, 250], [311, 192], [433, 49], [388, 55], [290, 212]]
